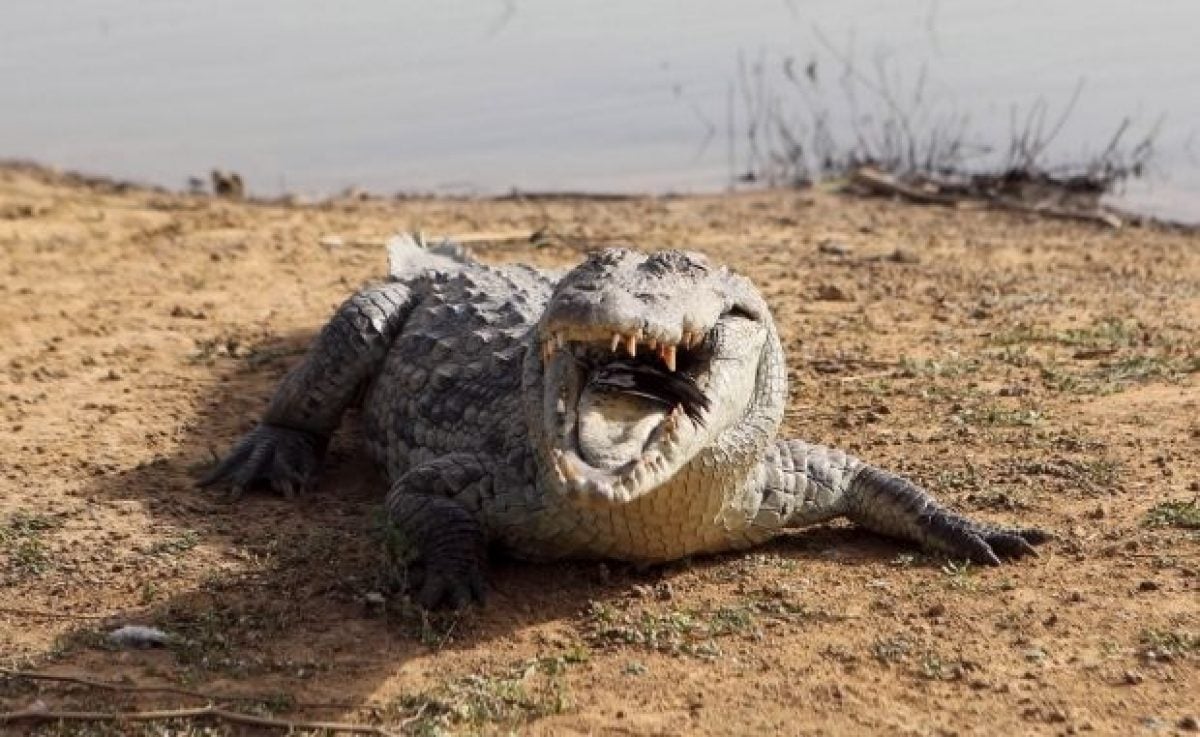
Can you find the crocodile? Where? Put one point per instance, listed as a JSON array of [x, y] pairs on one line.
[[626, 409]]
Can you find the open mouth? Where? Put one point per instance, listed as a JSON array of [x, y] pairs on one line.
[[626, 410]]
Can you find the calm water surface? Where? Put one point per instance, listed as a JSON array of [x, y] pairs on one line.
[[390, 95]]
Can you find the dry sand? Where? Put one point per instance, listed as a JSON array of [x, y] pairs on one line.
[[1025, 370]]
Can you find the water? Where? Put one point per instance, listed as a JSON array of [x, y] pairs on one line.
[[389, 95]]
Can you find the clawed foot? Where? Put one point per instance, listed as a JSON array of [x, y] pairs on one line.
[[435, 583], [286, 460], [960, 537], [441, 588], [436, 549]]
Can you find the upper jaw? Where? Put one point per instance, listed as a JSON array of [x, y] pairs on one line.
[[630, 342]]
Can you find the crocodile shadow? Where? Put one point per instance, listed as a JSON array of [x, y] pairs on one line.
[[295, 603]]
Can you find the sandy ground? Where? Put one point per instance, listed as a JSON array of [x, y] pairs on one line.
[[1025, 370]]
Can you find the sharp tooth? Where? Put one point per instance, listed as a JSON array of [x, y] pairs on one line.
[[568, 471], [631, 344], [686, 340], [558, 340], [547, 351], [652, 344], [616, 341], [669, 357]]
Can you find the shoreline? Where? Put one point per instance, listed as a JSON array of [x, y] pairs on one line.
[[1104, 213]]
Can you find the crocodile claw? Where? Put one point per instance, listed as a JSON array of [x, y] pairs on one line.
[[454, 590], [286, 460], [960, 537]]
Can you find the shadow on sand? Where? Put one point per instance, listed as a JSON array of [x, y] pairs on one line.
[[288, 607]]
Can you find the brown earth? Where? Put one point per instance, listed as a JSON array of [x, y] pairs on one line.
[[1025, 370]]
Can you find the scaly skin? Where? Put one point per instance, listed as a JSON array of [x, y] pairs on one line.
[[479, 404]]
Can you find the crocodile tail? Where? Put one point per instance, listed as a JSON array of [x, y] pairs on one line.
[[410, 254]]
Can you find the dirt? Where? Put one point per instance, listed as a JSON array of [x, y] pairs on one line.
[[1025, 370]]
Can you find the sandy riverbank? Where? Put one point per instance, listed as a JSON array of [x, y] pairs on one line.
[[1023, 369]]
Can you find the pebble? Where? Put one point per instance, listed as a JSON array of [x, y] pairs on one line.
[[831, 247], [833, 293], [139, 636]]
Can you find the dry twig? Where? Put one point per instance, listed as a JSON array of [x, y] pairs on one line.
[[38, 713], [881, 183], [135, 688]]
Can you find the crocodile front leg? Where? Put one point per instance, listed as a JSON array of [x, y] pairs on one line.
[[803, 484], [436, 511], [286, 448]]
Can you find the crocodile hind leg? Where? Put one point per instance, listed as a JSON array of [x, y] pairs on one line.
[[435, 513], [286, 448], [804, 484]]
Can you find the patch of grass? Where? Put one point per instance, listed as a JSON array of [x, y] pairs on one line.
[[1165, 645], [959, 479], [1117, 375], [1141, 368], [1108, 333], [990, 416], [674, 632], [1181, 514], [950, 367], [1014, 355], [891, 649], [22, 543], [208, 350], [1018, 334], [1103, 472], [1060, 381], [509, 699], [959, 575], [174, 545]]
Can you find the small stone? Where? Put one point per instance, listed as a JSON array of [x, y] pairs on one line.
[[831, 247], [138, 636], [1148, 586], [902, 256], [833, 293], [374, 598], [936, 610], [332, 241], [1132, 678], [1190, 723]]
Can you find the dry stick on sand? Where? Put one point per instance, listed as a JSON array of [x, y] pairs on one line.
[[42, 614], [881, 183], [39, 714], [135, 688]]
